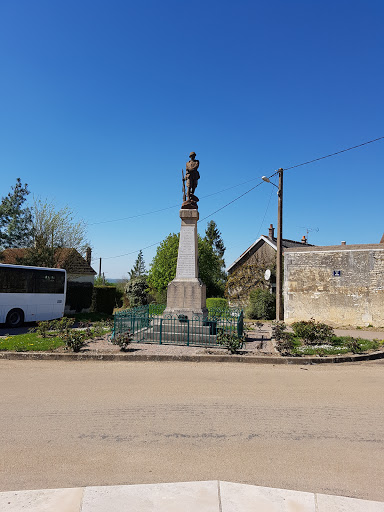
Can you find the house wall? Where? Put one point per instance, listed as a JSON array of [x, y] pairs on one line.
[[243, 277], [356, 297], [262, 253]]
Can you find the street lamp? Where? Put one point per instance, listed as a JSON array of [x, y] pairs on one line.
[[279, 254]]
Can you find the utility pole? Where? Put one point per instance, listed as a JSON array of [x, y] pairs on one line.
[[279, 255], [100, 268]]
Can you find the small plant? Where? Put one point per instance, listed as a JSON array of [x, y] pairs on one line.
[[354, 346], [75, 340], [98, 329], [312, 332], [43, 328], [232, 342], [64, 325], [87, 328], [285, 344], [278, 330], [122, 340]]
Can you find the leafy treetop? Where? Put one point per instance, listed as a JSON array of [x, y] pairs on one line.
[[213, 236], [138, 268], [163, 267], [16, 229]]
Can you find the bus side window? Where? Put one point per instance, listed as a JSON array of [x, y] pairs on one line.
[[49, 282]]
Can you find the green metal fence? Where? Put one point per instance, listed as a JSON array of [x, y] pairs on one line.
[[148, 324]]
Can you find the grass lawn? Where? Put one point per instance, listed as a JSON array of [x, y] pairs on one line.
[[30, 341]]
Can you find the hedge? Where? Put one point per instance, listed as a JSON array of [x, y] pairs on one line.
[[262, 305], [79, 296], [103, 299], [217, 302]]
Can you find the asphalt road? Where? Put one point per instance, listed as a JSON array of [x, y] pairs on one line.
[[68, 424]]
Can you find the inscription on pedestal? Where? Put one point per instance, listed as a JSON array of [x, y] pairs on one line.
[[186, 260]]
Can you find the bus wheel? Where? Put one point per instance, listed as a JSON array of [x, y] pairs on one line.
[[15, 318]]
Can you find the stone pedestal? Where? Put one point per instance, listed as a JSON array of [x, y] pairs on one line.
[[186, 294]]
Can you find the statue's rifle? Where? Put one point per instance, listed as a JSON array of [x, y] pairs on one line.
[[182, 175]]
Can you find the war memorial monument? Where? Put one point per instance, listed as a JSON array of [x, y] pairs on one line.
[[186, 294], [185, 319]]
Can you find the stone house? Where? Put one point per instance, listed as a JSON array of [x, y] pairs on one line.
[[339, 285], [248, 270], [80, 274]]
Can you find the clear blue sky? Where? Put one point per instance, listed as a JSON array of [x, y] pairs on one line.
[[101, 103]]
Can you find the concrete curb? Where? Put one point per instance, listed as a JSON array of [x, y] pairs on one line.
[[200, 496], [81, 356]]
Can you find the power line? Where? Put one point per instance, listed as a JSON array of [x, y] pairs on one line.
[[230, 202], [132, 252], [168, 207], [332, 154], [253, 188]]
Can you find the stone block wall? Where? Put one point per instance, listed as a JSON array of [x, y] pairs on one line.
[[339, 285]]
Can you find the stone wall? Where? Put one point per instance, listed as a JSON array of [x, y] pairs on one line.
[[339, 285]]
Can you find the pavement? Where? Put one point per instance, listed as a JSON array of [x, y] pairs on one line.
[[208, 496], [196, 496]]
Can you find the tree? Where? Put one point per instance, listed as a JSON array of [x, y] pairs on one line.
[[213, 236], [136, 291], [215, 240], [58, 227], [163, 267], [139, 267], [16, 227], [53, 229]]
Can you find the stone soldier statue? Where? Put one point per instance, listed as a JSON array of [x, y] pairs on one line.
[[192, 176]]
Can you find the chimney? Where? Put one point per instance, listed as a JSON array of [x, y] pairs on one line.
[[303, 240], [382, 239], [343, 243], [88, 255], [271, 233]]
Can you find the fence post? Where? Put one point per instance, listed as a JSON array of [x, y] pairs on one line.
[[161, 330]]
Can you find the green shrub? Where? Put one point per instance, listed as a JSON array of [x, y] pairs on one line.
[[63, 325], [122, 340], [278, 330], [75, 340], [42, 328], [230, 341], [136, 291], [79, 296], [120, 298], [103, 299], [262, 305], [312, 332], [217, 302], [286, 344], [100, 328]]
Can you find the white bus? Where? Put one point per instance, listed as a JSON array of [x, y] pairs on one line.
[[31, 294]]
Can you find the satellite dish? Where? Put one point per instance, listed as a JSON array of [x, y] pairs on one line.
[[267, 275]]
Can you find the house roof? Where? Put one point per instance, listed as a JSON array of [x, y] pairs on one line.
[[338, 248], [272, 241], [66, 258]]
